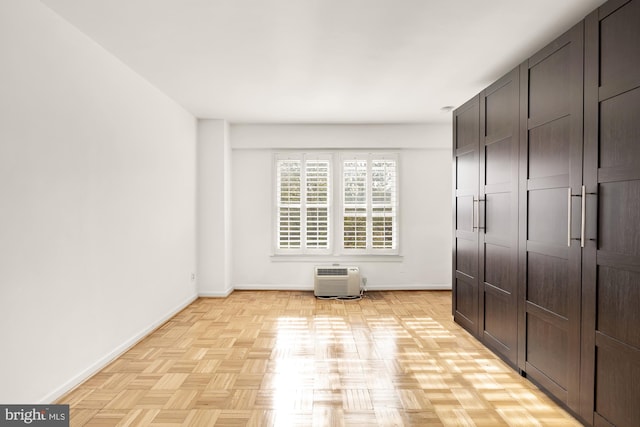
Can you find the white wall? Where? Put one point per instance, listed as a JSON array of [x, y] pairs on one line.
[[425, 203], [97, 216], [214, 209], [340, 136]]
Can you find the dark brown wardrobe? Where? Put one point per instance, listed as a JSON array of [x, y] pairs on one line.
[[546, 244], [486, 216]]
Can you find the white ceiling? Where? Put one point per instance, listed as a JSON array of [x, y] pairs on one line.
[[322, 61]]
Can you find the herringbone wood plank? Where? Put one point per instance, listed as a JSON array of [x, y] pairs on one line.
[[276, 358]]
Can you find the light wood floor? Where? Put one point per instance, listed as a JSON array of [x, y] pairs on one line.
[[287, 359]]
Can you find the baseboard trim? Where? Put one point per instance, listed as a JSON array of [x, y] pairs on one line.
[[293, 287], [411, 287], [280, 287], [223, 294], [112, 355]]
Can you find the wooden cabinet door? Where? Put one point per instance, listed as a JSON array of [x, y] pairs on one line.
[[550, 189], [498, 202], [466, 135], [611, 257]]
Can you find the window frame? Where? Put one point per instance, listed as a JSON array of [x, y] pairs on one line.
[[335, 224]]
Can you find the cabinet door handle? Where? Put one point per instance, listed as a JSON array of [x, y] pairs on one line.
[[475, 219], [584, 208], [473, 214], [569, 217]]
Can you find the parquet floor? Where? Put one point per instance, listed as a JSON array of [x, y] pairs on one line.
[[286, 359]]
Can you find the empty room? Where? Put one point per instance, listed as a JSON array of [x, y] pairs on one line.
[[320, 213]]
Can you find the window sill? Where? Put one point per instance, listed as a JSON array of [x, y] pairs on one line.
[[337, 259]]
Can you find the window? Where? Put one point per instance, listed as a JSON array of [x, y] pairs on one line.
[[365, 213], [303, 203], [369, 204]]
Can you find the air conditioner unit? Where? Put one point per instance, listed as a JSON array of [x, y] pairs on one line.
[[337, 281]]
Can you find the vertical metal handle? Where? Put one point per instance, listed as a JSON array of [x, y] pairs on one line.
[[473, 214], [569, 217], [584, 208]]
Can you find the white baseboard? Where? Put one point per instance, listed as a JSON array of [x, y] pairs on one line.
[[293, 287], [222, 294], [114, 354], [411, 287], [280, 287]]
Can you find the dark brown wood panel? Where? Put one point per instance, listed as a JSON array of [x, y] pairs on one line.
[[549, 148], [498, 115], [551, 155], [618, 308], [618, 380], [499, 222], [467, 257], [619, 53], [467, 171], [466, 134], [467, 125], [619, 124], [464, 213], [497, 266], [497, 332], [497, 155], [550, 82], [499, 149], [548, 279], [610, 362], [547, 216], [466, 302], [619, 217], [547, 350]]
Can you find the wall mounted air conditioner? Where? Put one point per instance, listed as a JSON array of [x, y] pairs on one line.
[[337, 281]]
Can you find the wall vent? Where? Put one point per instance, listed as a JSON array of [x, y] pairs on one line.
[[332, 271]]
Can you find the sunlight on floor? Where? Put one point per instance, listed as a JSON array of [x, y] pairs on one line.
[[462, 374], [287, 359]]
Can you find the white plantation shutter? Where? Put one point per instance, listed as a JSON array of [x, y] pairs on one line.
[[317, 203], [383, 204], [354, 174], [366, 214], [289, 206], [369, 203], [303, 203]]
